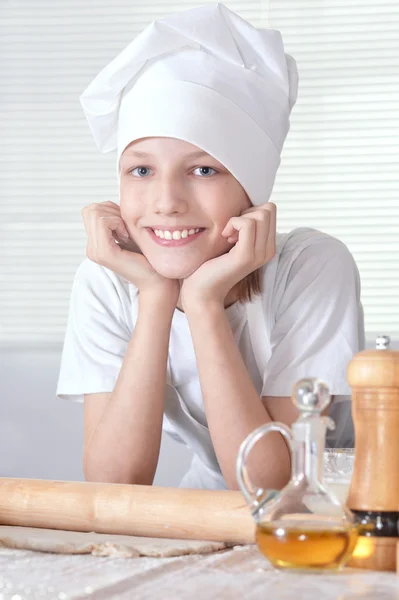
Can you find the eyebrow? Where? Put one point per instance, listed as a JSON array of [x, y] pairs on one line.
[[194, 154]]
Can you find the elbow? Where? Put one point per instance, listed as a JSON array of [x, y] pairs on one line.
[[264, 473], [93, 477], [94, 473], [265, 481], [233, 486]]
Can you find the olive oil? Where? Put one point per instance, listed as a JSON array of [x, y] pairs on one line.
[[304, 546]]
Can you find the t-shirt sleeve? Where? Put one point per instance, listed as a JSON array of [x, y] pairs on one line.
[[97, 335], [318, 319]]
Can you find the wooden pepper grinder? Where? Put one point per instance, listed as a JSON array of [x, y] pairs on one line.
[[374, 492]]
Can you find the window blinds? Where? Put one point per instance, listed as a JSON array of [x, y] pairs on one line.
[[340, 163], [340, 167]]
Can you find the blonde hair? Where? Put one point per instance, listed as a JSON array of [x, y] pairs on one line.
[[249, 286]]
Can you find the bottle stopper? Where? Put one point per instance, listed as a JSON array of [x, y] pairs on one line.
[[311, 395]]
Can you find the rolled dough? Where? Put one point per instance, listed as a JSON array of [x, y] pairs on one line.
[[101, 544]]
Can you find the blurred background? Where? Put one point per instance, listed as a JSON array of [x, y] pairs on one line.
[[339, 173]]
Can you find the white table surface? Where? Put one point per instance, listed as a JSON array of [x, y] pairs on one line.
[[239, 573]]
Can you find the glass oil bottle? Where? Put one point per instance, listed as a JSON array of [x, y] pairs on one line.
[[303, 527]]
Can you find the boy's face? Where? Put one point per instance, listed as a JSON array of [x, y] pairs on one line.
[[169, 186]]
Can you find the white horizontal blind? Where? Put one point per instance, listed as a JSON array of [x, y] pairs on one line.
[[340, 165], [339, 170]]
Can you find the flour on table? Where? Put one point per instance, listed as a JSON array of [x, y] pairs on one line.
[[101, 544]]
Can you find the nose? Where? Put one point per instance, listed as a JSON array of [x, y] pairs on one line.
[[169, 198]]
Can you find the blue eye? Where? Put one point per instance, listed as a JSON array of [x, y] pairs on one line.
[[205, 171], [141, 171]]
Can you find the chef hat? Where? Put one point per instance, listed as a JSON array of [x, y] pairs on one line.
[[205, 76]]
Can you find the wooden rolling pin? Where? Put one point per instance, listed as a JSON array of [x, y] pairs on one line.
[[149, 511]]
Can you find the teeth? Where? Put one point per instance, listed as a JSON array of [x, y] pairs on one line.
[[176, 234]]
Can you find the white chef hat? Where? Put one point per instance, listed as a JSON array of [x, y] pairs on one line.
[[205, 76]]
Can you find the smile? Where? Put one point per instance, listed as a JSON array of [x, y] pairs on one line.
[[175, 237], [175, 234]]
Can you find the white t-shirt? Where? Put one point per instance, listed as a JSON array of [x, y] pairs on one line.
[[308, 322]]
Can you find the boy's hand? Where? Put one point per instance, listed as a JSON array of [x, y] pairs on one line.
[[253, 234], [109, 244]]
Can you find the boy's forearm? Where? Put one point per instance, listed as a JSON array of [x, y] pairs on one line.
[[233, 407], [125, 444]]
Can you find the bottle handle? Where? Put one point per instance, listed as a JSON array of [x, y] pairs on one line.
[[252, 494]]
